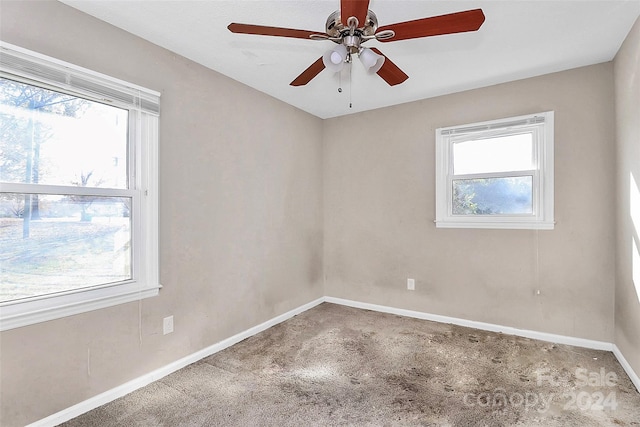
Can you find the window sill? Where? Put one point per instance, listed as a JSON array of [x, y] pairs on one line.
[[505, 225], [17, 314]]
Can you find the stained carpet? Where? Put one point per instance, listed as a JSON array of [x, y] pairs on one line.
[[340, 366]]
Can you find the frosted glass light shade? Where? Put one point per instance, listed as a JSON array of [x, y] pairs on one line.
[[372, 61], [334, 59]]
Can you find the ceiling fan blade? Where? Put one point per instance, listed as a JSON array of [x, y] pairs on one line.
[[390, 72], [262, 30], [308, 74], [458, 22], [357, 8]]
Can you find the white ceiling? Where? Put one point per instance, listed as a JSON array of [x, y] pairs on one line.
[[518, 39]]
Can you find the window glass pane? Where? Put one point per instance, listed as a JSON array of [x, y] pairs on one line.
[[70, 242], [48, 137], [502, 154], [493, 196]]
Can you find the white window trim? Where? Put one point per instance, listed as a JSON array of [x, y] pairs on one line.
[[542, 125], [143, 105]]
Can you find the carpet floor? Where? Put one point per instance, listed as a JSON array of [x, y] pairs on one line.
[[340, 366]]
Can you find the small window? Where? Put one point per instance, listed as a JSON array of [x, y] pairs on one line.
[[78, 199], [496, 174]]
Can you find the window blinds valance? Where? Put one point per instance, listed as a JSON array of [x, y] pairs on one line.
[[490, 126], [16, 61]]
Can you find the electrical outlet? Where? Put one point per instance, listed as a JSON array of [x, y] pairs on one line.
[[411, 284], [167, 325]]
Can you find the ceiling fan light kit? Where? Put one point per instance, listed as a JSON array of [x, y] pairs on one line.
[[372, 61], [343, 28], [334, 59]]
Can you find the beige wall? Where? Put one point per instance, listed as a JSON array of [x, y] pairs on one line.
[[379, 212], [240, 220], [627, 95]]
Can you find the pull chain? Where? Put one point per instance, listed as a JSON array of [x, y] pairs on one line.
[[350, 84]]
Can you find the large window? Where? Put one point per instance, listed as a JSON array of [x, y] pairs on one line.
[[78, 199], [496, 174]]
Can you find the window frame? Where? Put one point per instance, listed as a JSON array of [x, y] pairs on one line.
[[541, 125], [33, 68]]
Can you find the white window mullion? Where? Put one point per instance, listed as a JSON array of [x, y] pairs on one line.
[[509, 174], [64, 190]]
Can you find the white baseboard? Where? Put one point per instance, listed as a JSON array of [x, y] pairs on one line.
[[635, 379], [147, 379], [124, 389], [543, 336]]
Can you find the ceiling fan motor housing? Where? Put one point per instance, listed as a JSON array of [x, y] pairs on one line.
[[341, 33]]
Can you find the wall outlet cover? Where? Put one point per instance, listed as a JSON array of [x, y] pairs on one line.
[[167, 325]]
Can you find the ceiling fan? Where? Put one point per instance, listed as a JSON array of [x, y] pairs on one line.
[[353, 25]]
